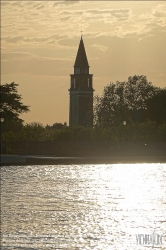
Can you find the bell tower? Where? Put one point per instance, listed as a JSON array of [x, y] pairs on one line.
[[81, 91]]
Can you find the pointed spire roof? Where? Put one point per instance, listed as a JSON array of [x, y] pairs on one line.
[[81, 58]]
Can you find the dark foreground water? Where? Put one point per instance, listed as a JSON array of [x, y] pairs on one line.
[[71, 207]]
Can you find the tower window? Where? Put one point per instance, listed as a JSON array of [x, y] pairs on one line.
[[84, 71], [74, 83], [77, 70], [88, 82]]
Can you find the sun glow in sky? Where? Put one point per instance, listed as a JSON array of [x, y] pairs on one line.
[[39, 42]]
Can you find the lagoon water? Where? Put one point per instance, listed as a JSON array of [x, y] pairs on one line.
[[83, 207]]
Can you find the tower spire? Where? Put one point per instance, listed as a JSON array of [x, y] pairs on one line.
[[81, 58]]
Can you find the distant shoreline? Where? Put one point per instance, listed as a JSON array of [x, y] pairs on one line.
[[21, 160]]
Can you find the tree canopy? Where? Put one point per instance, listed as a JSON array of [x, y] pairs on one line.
[[156, 106], [131, 100], [11, 103]]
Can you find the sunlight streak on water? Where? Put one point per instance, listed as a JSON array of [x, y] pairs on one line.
[[82, 207]]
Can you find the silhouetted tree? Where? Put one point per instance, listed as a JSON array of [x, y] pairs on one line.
[[156, 106], [58, 125], [123, 101], [11, 106], [33, 131]]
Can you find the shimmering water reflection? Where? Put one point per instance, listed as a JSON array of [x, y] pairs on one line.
[[71, 207]]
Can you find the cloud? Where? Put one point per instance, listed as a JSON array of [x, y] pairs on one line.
[[40, 41], [121, 14], [30, 19], [65, 3], [100, 47], [39, 6], [26, 56], [156, 15], [14, 39], [160, 11], [93, 14], [63, 19], [49, 23], [8, 56], [4, 3]]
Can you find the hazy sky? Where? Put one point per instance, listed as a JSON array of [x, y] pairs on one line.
[[39, 42]]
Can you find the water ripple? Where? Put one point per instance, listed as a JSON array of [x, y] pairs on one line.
[[89, 207]]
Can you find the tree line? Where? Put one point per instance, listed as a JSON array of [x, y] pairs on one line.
[[133, 110]]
